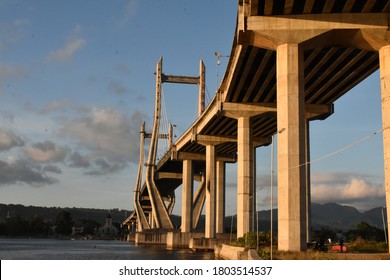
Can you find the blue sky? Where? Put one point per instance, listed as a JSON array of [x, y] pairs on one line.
[[77, 80]]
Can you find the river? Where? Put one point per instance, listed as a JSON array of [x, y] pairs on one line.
[[53, 249]]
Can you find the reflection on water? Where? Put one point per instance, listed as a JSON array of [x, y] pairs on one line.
[[52, 249]]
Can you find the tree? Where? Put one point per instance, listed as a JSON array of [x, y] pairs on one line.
[[366, 232], [64, 223], [37, 226], [90, 226], [323, 234], [16, 226]]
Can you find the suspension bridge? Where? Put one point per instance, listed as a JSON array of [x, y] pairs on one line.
[[290, 61]]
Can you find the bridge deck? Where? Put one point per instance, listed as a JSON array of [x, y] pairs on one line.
[[330, 72]]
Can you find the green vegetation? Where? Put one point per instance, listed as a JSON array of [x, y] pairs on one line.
[[63, 226], [42, 222], [362, 240]]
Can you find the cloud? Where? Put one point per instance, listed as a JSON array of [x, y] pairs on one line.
[[129, 11], [52, 169], [14, 171], [7, 116], [117, 88], [9, 139], [122, 69], [13, 71], [109, 139], [68, 51], [348, 188], [103, 167], [77, 160], [46, 151], [58, 105]]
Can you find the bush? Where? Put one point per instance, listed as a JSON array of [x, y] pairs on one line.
[[362, 245], [250, 240]]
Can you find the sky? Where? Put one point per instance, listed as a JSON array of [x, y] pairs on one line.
[[77, 80]]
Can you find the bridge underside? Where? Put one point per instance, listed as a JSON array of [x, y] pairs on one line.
[[290, 61]]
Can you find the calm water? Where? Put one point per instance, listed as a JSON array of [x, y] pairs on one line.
[[52, 249]]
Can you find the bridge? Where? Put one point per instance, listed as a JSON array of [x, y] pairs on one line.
[[290, 61]]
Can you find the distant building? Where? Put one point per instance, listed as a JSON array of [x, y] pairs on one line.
[[77, 228], [108, 230]]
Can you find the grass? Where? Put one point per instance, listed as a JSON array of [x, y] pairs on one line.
[[311, 255], [330, 255]]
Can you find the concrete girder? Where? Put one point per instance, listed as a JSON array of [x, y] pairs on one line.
[[362, 31], [237, 110]]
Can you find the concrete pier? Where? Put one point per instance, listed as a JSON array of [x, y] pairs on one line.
[[291, 149]]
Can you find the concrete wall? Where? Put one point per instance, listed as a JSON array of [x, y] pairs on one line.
[[227, 252], [151, 238]]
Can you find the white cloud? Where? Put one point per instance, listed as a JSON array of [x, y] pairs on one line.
[[129, 12], [46, 151], [345, 189], [58, 105], [68, 51], [9, 139]]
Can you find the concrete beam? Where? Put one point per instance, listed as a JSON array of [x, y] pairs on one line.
[[168, 175], [364, 31], [213, 139], [318, 22], [179, 79], [200, 157], [237, 110], [318, 111]]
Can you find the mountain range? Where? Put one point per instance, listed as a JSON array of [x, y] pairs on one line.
[[330, 214]]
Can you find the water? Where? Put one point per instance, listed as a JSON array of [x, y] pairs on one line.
[[52, 249]]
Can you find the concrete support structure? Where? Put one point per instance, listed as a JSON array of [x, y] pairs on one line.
[[291, 148], [308, 182], [187, 194], [245, 180], [384, 62], [210, 191], [220, 197]]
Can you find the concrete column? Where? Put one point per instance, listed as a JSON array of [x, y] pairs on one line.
[[253, 193], [220, 197], [245, 176], [384, 63], [187, 189], [308, 184], [210, 191], [291, 149]]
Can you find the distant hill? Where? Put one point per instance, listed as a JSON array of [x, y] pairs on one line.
[[330, 214], [50, 213]]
